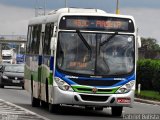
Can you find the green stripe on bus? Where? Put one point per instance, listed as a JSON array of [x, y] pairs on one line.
[[86, 89], [50, 79]]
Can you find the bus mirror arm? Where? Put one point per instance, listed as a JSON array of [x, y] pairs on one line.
[[53, 43]]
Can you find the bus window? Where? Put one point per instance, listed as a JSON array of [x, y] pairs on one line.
[[48, 35]]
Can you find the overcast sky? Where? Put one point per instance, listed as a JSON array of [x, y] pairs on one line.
[[14, 14]]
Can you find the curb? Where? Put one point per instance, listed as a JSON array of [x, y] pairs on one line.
[[147, 101]]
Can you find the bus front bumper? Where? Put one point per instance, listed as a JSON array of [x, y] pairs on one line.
[[59, 96]]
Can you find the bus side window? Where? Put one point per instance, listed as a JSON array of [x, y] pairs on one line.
[[29, 38], [48, 35], [33, 39], [36, 38]]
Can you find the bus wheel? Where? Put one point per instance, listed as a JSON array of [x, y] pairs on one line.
[[35, 102], [44, 104], [53, 108], [117, 111]]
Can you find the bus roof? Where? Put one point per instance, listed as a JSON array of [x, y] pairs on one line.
[[77, 10], [54, 15]]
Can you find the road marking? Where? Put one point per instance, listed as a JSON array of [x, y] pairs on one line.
[[9, 110]]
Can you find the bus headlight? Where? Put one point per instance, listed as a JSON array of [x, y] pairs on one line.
[[62, 84], [126, 88]]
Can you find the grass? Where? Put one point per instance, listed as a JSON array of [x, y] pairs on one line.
[[148, 94]]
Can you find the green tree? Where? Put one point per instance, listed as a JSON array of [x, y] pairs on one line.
[[150, 44]]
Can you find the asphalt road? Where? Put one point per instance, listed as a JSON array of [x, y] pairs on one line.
[[22, 98]]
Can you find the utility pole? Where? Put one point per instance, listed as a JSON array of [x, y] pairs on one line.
[[44, 7], [117, 7], [65, 3], [36, 8]]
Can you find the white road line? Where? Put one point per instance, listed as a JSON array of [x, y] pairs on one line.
[[15, 109]]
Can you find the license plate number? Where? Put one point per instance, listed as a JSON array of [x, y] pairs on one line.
[[15, 81]]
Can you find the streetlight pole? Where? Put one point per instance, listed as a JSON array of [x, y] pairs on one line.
[[117, 7]]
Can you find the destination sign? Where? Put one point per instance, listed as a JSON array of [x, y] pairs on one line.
[[97, 23]]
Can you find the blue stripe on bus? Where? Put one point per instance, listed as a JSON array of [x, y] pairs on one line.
[[51, 62], [127, 79], [40, 60], [62, 76]]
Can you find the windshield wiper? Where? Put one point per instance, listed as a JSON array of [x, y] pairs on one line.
[[85, 42], [110, 37]]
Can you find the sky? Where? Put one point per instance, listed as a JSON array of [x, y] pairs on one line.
[[15, 14]]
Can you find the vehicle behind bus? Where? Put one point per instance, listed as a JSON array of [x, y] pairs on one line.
[[20, 58], [9, 56]]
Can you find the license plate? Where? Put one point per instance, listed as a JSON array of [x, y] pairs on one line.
[[123, 100], [15, 81]]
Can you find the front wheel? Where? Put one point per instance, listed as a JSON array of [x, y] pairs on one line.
[[35, 101], [53, 108], [117, 111]]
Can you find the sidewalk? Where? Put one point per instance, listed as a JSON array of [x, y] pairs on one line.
[[147, 101]]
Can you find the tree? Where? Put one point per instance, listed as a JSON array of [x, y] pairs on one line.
[[150, 44]]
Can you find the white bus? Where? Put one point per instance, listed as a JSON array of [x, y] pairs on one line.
[[83, 57]]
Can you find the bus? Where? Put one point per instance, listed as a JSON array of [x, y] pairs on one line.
[[82, 57]]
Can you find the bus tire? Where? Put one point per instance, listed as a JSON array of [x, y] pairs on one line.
[[35, 102], [44, 104], [117, 111], [47, 94], [53, 108]]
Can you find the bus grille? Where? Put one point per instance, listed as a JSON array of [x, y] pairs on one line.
[[94, 98]]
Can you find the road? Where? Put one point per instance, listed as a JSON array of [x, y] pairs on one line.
[[22, 98]]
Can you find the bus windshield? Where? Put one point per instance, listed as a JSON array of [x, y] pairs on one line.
[[95, 53]]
